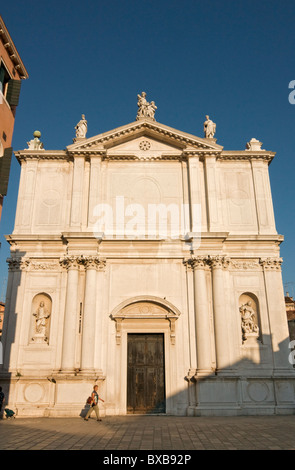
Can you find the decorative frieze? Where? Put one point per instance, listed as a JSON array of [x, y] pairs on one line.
[[245, 264], [43, 265]]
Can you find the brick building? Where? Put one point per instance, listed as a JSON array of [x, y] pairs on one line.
[[290, 308], [12, 72]]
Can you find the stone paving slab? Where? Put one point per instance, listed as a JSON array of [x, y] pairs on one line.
[[149, 433]]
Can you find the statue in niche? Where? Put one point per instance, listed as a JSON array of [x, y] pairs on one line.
[[81, 128], [249, 325], [42, 314], [209, 128], [145, 109]]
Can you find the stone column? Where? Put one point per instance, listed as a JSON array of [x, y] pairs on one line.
[[191, 318], [13, 309], [71, 310], [203, 333], [89, 341], [218, 263], [277, 316]]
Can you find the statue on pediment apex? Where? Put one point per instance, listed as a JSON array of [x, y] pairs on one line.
[[145, 109]]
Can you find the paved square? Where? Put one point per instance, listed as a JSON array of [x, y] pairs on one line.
[[169, 433]]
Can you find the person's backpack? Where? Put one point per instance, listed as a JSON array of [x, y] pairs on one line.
[[9, 413]]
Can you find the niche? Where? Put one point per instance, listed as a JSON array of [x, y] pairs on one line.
[[250, 318], [40, 318]]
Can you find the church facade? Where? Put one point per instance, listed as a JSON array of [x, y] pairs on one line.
[[146, 260]]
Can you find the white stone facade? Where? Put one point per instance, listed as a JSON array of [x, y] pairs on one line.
[[211, 284]]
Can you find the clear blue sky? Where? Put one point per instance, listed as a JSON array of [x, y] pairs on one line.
[[230, 59]]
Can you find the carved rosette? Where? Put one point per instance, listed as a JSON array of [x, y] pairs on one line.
[[271, 264]]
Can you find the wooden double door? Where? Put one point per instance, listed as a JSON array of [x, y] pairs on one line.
[[146, 374]]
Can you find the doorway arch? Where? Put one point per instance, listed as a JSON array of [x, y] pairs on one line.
[[146, 336]]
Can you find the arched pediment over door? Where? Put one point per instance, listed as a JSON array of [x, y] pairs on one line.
[[145, 309]]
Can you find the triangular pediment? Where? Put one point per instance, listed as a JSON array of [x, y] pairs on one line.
[[143, 135]]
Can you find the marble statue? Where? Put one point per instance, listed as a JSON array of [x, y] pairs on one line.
[[145, 109], [248, 320], [209, 128], [81, 128], [41, 316]]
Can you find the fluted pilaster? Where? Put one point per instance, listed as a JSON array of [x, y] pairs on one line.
[[94, 267]]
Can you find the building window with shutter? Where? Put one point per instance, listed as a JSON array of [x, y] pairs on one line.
[[4, 79], [9, 88]]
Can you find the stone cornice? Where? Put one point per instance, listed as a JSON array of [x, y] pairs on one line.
[[184, 155], [183, 146], [29, 155], [143, 127], [12, 51], [246, 155]]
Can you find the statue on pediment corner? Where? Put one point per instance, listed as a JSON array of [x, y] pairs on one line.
[[81, 128], [209, 128]]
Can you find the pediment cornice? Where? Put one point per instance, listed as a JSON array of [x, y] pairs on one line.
[[182, 141], [169, 144]]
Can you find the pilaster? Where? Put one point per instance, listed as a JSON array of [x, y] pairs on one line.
[[71, 263], [94, 267], [77, 192], [218, 264]]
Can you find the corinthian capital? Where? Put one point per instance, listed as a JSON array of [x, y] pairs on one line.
[[196, 262], [199, 262], [273, 264], [71, 261], [219, 261], [94, 262], [18, 264]]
